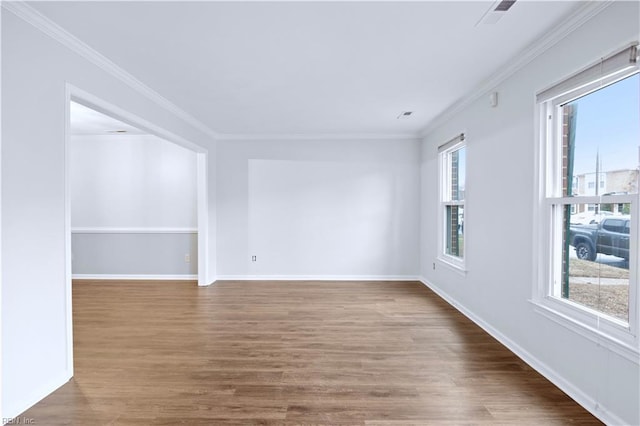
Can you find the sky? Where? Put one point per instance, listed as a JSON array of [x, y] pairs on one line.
[[609, 121]]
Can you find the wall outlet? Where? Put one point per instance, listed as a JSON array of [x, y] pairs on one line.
[[187, 258], [254, 258], [434, 265]]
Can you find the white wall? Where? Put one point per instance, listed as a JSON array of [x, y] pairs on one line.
[[2, 416], [318, 208], [132, 181], [133, 204], [35, 69], [499, 219]]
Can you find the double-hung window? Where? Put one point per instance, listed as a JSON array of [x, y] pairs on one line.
[[453, 161], [587, 232]]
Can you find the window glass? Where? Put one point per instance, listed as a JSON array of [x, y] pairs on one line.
[[603, 131], [595, 266], [600, 146], [613, 225], [456, 165], [455, 231], [458, 174]]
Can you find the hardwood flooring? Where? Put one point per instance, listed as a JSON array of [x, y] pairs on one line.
[[290, 353]]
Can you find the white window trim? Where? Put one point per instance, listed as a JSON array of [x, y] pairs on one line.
[[456, 263], [607, 331]]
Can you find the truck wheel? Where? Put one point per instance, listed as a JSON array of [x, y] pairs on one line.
[[585, 252]]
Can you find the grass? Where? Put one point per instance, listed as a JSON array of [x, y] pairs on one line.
[[610, 299], [585, 268]]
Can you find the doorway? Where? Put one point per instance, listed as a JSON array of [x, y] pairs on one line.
[[162, 232]]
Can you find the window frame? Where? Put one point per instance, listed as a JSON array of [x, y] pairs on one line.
[[620, 336], [458, 263]]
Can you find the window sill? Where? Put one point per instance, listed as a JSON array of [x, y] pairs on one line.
[[626, 349], [452, 264]]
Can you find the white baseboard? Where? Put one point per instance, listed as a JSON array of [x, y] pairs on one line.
[[550, 374], [42, 392], [132, 277], [317, 278]]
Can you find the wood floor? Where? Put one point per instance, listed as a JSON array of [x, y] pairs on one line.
[[290, 353]]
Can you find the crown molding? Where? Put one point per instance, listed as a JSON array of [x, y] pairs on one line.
[[583, 14], [32, 16], [316, 136]]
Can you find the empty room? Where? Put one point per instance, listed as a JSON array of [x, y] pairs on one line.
[[319, 212]]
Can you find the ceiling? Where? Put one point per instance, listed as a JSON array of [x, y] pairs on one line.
[[86, 121], [308, 68]]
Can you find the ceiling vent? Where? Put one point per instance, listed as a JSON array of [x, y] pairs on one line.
[[504, 5], [404, 114], [495, 12]]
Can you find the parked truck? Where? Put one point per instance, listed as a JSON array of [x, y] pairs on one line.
[[610, 236]]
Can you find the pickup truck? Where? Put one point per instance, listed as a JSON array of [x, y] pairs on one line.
[[610, 236]]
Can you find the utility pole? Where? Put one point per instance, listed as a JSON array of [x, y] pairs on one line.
[[597, 178]]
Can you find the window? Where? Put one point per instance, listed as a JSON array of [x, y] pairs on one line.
[[453, 161], [613, 225], [588, 271]]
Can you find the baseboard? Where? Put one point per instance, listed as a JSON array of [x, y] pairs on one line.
[[132, 277], [550, 374], [41, 393], [317, 278]]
